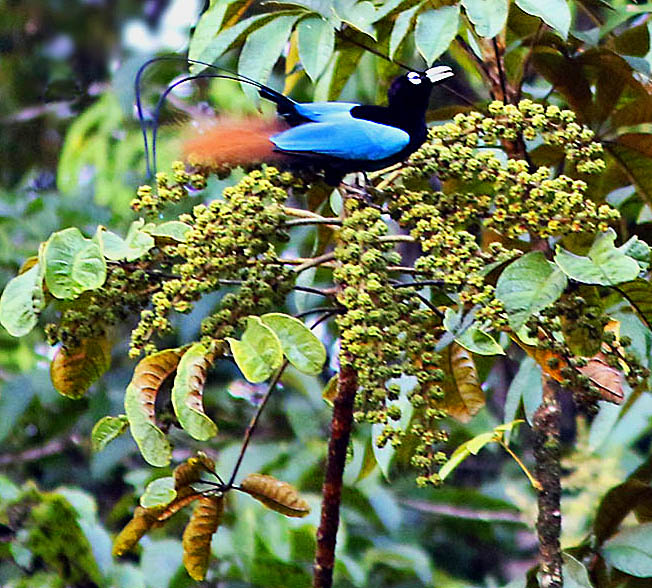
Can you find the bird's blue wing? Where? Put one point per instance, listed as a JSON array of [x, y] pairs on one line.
[[321, 111], [343, 137]]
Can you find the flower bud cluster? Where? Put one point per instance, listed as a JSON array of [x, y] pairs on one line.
[[386, 335], [127, 290], [230, 239], [509, 196]]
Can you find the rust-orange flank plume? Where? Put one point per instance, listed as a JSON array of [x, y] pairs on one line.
[[215, 141]]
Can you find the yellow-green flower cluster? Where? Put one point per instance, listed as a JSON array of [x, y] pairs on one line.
[[385, 334], [229, 240], [169, 189]]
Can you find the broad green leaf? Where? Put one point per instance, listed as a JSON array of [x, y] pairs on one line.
[[300, 345], [470, 336], [401, 27], [140, 398], [209, 24], [605, 265], [215, 47], [630, 551], [476, 340], [617, 504], [73, 264], [73, 370], [106, 430], [637, 249], [554, 13], [525, 386], [175, 230], [575, 574], [22, 301], [528, 285], [316, 44], [187, 394], [488, 16], [463, 395], [258, 353], [639, 294], [159, 492], [262, 49], [435, 30], [134, 245], [359, 15], [632, 153]]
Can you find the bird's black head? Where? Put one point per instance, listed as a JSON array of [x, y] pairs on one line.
[[413, 89]]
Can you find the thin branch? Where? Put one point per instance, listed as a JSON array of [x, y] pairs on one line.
[[313, 221], [420, 284], [397, 238], [52, 447], [329, 310], [254, 421], [311, 290], [501, 73], [315, 261], [259, 410]]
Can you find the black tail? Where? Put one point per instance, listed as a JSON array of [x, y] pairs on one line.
[[285, 106]]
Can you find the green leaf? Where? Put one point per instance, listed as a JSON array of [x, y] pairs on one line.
[[528, 285], [435, 30], [187, 394], [526, 386], [258, 353], [209, 23], [300, 345], [106, 430], [316, 45], [637, 249], [73, 264], [210, 51], [159, 492], [140, 399], [575, 574], [135, 245], [22, 301], [630, 551], [401, 27], [639, 294], [605, 265], [488, 16], [359, 15], [463, 451], [555, 13], [175, 230], [617, 504], [262, 50]]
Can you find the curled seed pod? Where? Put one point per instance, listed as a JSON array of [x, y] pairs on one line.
[[190, 472], [276, 495], [197, 536], [142, 521]]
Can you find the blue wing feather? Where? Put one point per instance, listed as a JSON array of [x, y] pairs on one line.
[[344, 137], [319, 111]]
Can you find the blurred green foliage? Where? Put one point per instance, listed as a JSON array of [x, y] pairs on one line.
[[71, 154]]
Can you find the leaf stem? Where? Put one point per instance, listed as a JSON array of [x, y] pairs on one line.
[[535, 483]]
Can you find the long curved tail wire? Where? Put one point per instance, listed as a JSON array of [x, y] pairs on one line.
[[265, 91]]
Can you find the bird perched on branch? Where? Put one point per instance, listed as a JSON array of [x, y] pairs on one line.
[[336, 137]]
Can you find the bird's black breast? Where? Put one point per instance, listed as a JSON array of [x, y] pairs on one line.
[[415, 126]]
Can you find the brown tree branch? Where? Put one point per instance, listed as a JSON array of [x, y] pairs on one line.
[[547, 453], [341, 424]]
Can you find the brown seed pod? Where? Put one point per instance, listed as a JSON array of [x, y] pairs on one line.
[[276, 495], [197, 535], [143, 520], [190, 472]]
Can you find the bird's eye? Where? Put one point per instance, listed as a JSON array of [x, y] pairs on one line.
[[414, 77]]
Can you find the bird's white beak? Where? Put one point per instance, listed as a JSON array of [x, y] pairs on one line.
[[439, 73]]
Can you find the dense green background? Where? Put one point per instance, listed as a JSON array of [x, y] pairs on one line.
[[71, 155]]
